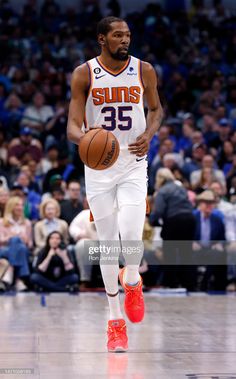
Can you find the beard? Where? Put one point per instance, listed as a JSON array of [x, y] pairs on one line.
[[119, 55]]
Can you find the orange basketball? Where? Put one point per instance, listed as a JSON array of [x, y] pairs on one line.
[[99, 149]]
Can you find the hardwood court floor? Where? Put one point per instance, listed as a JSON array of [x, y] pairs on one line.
[[180, 336]]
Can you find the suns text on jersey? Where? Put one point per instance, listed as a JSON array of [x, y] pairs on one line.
[[110, 95]]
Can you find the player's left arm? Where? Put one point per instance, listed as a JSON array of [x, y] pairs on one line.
[[155, 111]]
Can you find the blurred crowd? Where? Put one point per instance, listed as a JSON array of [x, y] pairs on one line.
[[42, 196]]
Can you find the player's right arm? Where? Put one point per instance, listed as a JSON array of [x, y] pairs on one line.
[[79, 88]]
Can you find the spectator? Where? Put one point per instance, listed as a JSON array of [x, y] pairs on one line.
[[58, 194], [3, 91], [232, 101], [151, 265], [55, 129], [221, 112], [32, 171], [185, 142], [162, 134], [230, 227], [32, 198], [195, 162], [50, 222], [15, 242], [215, 95], [3, 268], [172, 160], [3, 182], [228, 211], [65, 169], [223, 134], [232, 191], [231, 171], [82, 230], [4, 196], [50, 160], [206, 179], [221, 203], [57, 188], [37, 115], [218, 14], [208, 245], [196, 139], [24, 148], [13, 114], [207, 162], [113, 8], [54, 269], [172, 206], [209, 127], [73, 204], [166, 146], [226, 155], [3, 148]]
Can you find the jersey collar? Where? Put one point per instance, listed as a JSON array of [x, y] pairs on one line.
[[112, 72]]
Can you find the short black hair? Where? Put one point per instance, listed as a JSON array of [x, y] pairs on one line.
[[104, 26]]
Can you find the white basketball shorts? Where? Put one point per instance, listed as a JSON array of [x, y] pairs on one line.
[[125, 183]]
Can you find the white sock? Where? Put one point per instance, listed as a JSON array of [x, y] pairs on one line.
[[114, 305], [110, 279], [131, 275]]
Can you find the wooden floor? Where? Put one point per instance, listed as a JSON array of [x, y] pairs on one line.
[[64, 337]]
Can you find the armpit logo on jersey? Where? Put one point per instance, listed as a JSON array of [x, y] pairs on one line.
[[131, 71]]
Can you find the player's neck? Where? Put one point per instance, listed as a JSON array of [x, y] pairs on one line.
[[111, 63]]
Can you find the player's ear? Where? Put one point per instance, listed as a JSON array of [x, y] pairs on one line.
[[101, 39]]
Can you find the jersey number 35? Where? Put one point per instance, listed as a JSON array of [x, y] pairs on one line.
[[117, 118]]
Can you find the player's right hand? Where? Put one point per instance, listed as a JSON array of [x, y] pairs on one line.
[[80, 136]]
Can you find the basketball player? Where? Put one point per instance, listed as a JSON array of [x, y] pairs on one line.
[[107, 91]]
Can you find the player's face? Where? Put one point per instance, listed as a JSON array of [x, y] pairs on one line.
[[117, 41]]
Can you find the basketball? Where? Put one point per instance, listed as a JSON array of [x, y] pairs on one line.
[[99, 149]]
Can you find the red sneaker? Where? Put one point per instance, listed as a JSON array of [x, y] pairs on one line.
[[117, 337], [134, 302]]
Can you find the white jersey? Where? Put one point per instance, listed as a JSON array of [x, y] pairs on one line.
[[115, 100]]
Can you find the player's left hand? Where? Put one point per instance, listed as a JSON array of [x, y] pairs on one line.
[[141, 146]]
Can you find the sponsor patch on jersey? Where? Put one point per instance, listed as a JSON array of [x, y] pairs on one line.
[[131, 71]]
